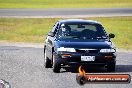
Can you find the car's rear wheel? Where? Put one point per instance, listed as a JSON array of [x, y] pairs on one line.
[[56, 65], [111, 67], [47, 61]]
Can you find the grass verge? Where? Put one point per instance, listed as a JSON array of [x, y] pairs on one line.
[[65, 3], [35, 29]]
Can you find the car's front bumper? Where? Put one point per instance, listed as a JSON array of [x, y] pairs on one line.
[[75, 58]]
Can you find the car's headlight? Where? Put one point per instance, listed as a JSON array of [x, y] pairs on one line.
[[66, 49], [107, 50]]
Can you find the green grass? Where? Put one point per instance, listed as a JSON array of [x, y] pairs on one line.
[[35, 29], [65, 3]]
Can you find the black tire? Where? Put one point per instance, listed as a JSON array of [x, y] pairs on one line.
[[111, 67], [56, 66], [47, 61]]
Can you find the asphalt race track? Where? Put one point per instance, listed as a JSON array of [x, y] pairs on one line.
[[71, 12], [23, 67]]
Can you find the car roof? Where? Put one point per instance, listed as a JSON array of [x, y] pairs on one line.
[[78, 21]]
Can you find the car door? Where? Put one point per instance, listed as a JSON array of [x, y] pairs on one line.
[[50, 41]]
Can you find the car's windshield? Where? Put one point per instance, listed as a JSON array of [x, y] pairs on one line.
[[81, 30]]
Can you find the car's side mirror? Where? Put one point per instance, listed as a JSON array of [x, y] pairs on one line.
[[51, 34], [111, 35]]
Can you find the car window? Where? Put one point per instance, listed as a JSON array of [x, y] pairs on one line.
[[82, 30]]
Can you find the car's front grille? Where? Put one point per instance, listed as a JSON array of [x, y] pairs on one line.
[[87, 51]]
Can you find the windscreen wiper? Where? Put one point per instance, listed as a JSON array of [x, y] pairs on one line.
[[75, 37], [100, 38]]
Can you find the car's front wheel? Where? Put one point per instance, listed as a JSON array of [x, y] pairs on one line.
[[47, 61], [56, 65]]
